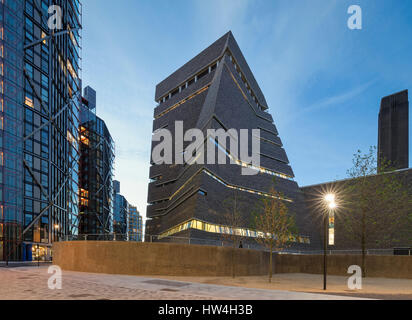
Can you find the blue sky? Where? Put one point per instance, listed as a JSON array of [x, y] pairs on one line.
[[323, 82]]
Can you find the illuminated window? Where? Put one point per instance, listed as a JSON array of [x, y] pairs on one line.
[[84, 140], [71, 70], [247, 165], [214, 228], [62, 65], [241, 189], [70, 137], [29, 102], [84, 193], [43, 35]]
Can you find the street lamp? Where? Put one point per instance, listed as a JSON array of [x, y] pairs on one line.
[[331, 205], [38, 255], [330, 198]]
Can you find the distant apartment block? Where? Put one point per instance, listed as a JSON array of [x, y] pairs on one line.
[[120, 214], [134, 228]]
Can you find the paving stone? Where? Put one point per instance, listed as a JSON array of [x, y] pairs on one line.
[[31, 283]]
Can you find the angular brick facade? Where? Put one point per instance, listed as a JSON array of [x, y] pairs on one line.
[[215, 90]]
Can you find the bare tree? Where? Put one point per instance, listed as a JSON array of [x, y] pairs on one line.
[[275, 226], [377, 205], [234, 222]]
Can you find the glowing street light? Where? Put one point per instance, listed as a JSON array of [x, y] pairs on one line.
[[330, 198], [331, 205]]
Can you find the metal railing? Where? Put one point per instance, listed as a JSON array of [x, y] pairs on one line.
[[200, 241], [381, 252], [18, 264], [105, 237], [157, 238]]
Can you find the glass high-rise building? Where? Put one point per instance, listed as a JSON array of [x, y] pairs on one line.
[[120, 213], [96, 171], [40, 91], [134, 226]]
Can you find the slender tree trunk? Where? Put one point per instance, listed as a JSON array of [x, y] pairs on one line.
[[233, 259], [363, 244], [270, 263]]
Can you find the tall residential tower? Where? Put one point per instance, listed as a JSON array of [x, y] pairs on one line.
[[39, 115], [96, 171]]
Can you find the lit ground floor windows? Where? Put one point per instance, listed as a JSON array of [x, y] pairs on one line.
[[221, 229]]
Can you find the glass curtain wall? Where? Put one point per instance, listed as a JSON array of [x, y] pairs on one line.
[[11, 127]]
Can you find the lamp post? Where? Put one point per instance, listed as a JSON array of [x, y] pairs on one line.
[[38, 255], [330, 205]]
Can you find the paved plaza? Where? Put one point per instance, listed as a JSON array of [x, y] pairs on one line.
[[372, 288], [31, 283]]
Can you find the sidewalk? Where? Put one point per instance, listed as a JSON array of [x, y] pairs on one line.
[[30, 283], [374, 288]]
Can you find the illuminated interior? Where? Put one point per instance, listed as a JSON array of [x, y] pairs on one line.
[[247, 165], [244, 189], [71, 70], [28, 102], [221, 229]]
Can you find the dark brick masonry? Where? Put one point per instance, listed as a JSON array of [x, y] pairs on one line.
[[231, 99], [393, 141]]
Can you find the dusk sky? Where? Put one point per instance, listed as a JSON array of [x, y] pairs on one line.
[[323, 82]]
